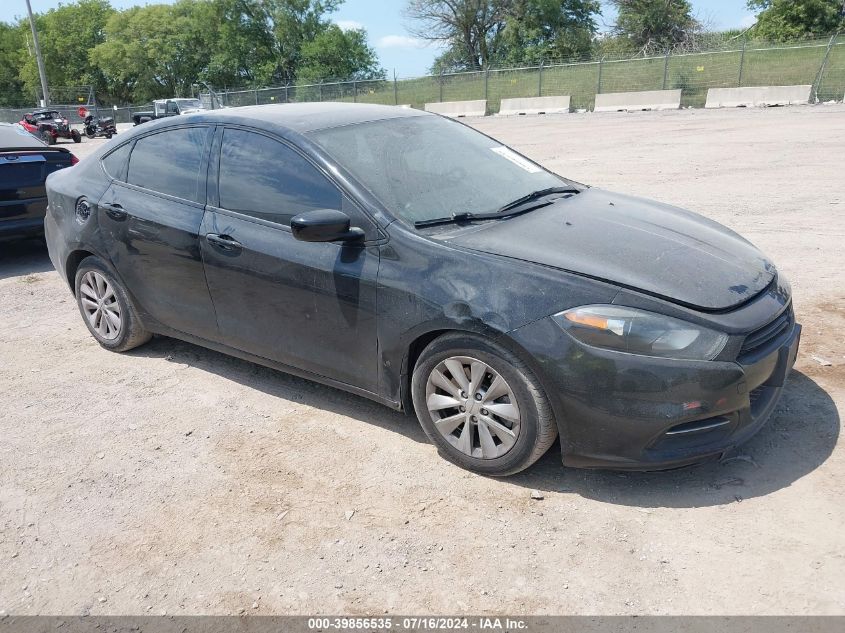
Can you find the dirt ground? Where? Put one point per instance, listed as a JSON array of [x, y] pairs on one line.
[[175, 479]]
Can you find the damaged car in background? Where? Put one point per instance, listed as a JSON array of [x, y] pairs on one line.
[[412, 260]]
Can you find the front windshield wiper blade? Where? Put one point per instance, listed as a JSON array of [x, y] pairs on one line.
[[509, 210], [533, 196], [454, 218]]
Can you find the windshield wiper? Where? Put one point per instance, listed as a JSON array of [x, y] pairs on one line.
[[520, 205], [533, 197]]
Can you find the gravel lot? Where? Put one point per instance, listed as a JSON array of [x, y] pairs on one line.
[[175, 479]]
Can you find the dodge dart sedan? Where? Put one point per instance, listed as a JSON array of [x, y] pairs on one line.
[[410, 259]]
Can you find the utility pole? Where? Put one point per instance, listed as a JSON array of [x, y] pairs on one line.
[[40, 61]]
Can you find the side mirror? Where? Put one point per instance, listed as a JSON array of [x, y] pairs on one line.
[[324, 225]]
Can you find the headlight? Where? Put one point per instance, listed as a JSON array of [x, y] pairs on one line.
[[640, 332]]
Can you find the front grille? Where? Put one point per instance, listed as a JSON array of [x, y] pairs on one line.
[[769, 332]]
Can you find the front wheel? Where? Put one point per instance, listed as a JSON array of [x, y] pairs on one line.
[[481, 405], [48, 138], [90, 132], [76, 136], [106, 308]]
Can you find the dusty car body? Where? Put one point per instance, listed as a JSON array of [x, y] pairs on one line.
[[643, 335]]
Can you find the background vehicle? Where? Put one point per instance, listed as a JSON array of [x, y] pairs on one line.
[[99, 126], [168, 107], [49, 125], [410, 259], [25, 163]]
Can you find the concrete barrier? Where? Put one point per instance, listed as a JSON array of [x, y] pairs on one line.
[[534, 105], [632, 101], [458, 109], [758, 96]]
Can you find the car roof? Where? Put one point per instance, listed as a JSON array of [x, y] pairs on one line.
[[13, 135], [309, 117], [43, 110]]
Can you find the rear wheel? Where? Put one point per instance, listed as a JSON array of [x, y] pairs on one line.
[[106, 309], [90, 132], [48, 137], [481, 405]]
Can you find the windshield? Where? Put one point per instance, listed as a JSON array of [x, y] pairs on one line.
[[427, 167], [44, 116], [189, 104]]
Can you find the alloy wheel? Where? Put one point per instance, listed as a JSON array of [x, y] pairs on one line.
[[473, 407], [100, 305]]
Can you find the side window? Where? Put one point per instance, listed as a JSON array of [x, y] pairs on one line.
[[115, 162], [266, 179], [169, 162]]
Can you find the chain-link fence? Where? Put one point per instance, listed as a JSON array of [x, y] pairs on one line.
[[820, 63]]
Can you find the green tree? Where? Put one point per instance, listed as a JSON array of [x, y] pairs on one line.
[[650, 25], [156, 51], [292, 24], [793, 19], [11, 87], [538, 30], [472, 29], [243, 53], [66, 35], [340, 54]]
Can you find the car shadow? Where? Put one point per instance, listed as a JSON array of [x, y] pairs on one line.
[[282, 385], [19, 258], [798, 438]]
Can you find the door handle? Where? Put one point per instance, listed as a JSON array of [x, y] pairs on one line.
[[114, 211], [223, 242]]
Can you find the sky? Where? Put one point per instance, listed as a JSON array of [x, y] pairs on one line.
[[387, 32]]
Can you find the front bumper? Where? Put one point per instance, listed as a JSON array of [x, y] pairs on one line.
[[629, 412]]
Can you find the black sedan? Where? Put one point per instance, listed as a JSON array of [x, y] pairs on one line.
[[25, 163], [407, 258]]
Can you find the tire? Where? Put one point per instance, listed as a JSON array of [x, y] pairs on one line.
[[120, 334], [48, 138], [530, 420], [90, 132], [108, 135], [76, 136]]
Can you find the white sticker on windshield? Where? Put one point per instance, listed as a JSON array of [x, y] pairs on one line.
[[516, 159]]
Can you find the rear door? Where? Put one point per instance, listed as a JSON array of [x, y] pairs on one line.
[[307, 305], [151, 215]]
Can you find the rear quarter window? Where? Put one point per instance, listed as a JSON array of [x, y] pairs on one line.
[[114, 163]]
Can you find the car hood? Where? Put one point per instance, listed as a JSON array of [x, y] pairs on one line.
[[656, 248]]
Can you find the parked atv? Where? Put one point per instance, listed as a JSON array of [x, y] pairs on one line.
[[49, 125], [101, 126]]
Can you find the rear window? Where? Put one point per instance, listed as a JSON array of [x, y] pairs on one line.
[[169, 162]]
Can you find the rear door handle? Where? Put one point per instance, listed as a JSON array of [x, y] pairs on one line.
[[223, 242], [115, 211]]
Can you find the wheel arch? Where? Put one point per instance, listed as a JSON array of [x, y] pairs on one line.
[[418, 344], [74, 259]]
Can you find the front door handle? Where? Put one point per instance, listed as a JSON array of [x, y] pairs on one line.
[[114, 211], [223, 242]]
